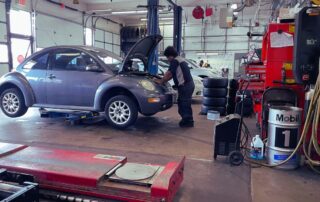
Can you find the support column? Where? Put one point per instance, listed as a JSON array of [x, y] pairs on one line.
[[153, 29], [8, 6], [177, 28]]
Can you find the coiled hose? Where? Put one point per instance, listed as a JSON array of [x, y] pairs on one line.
[[311, 123]]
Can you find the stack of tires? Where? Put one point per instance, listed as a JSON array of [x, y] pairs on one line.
[[244, 101], [232, 94], [214, 95]]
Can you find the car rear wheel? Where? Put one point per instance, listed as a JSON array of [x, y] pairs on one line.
[[121, 112], [13, 103]]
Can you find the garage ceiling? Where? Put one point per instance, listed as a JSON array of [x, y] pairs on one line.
[[130, 5]]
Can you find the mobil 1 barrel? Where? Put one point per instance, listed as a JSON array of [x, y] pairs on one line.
[[284, 124]]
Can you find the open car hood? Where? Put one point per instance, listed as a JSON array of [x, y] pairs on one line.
[[142, 50]]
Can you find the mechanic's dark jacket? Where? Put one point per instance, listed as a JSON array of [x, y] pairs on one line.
[[180, 71]]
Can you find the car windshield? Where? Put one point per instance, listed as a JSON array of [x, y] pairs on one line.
[[164, 64], [192, 64], [110, 59]]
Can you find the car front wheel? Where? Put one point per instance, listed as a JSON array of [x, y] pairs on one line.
[[121, 112], [12, 103]]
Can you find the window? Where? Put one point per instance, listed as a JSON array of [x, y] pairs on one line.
[[71, 60], [20, 22], [3, 53], [38, 62], [21, 48], [88, 33]]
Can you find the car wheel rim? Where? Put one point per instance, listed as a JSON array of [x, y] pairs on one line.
[[119, 112], [10, 103]]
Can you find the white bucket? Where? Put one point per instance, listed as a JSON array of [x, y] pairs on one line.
[[213, 115]]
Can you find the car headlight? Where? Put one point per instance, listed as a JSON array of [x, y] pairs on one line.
[[147, 85]]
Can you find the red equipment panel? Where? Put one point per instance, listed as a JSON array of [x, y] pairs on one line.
[[89, 174], [279, 60]]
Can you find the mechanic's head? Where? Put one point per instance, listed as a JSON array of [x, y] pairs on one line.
[[170, 53]]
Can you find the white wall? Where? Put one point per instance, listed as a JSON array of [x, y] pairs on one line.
[[61, 26], [60, 32]]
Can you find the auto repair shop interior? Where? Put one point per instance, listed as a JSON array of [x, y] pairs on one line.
[[96, 99]]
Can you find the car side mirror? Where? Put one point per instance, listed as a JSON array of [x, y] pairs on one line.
[[93, 68]]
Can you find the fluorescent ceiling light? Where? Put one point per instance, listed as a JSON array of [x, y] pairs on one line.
[[234, 6], [160, 19]]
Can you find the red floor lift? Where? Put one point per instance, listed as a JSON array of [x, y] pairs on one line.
[[79, 176]]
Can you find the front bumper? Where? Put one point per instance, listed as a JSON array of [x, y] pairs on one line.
[[165, 102]]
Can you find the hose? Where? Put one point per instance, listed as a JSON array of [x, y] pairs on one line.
[[311, 123]]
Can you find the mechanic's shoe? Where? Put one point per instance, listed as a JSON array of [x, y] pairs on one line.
[[186, 124]]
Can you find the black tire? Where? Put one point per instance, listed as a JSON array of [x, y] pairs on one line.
[[215, 92], [215, 83], [130, 104], [214, 102], [205, 109], [16, 94]]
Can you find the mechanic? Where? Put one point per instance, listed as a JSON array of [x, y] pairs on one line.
[[201, 63], [180, 73]]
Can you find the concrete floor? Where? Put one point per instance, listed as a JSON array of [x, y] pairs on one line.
[[159, 140]]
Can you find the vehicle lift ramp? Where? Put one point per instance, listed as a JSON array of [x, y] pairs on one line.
[[74, 176]]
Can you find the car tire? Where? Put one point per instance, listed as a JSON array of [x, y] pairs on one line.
[[215, 92], [214, 102], [205, 109], [215, 83], [13, 103], [128, 111]]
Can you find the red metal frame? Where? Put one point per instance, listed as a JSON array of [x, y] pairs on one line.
[[82, 173], [276, 62]]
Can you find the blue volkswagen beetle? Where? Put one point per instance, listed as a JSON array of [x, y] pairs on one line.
[[84, 78]]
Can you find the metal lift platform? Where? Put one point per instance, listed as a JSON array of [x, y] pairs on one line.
[[73, 117], [78, 176]]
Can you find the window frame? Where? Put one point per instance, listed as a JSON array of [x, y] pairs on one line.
[[63, 50], [32, 58]]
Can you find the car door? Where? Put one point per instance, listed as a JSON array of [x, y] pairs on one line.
[[69, 85], [35, 70]]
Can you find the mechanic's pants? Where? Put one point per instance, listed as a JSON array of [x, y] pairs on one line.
[[185, 100]]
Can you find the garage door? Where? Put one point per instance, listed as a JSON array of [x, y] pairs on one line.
[[4, 66], [51, 31], [107, 40]]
